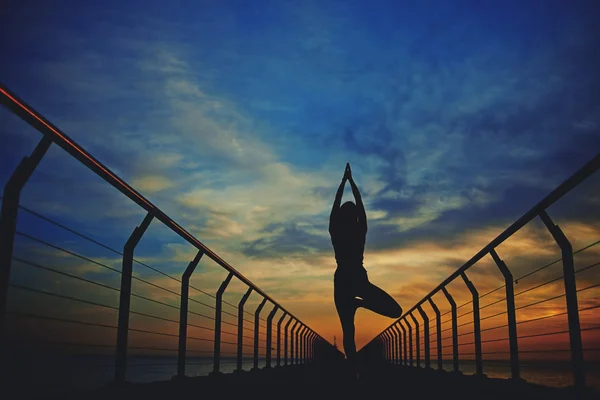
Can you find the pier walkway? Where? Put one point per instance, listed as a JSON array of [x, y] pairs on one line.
[[326, 379]]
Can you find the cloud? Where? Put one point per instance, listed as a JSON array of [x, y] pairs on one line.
[[287, 240], [151, 184]]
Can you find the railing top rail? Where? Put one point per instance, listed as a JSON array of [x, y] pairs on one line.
[[37, 121], [582, 174]]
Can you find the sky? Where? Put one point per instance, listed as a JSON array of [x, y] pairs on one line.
[[237, 119]]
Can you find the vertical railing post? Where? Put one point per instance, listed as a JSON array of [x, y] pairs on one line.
[[321, 348], [308, 335], [318, 346], [125, 298], [511, 314], [386, 344], [417, 339], [302, 330], [438, 333], [8, 219], [395, 344], [476, 324], [398, 344], [312, 346], [571, 299], [257, 331], [301, 351], [308, 343], [297, 342], [292, 342], [425, 336], [183, 313], [386, 341], [385, 337], [279, 338], [286, 341], [218, 312], [240, 335], [383, 346], [304, 345], [270, 334], [455, 366], [309, 346], [404, 343], [410, 342], [390, 345]]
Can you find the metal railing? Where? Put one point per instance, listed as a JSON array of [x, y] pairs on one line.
[[304, 343], [395, 343]]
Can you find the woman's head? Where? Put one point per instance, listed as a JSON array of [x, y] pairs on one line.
[[348, 213]]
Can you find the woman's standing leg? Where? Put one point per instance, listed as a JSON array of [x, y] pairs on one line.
[[346, 308]]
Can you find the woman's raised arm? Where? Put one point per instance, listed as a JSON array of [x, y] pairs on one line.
[[337, 202], [362, 214]]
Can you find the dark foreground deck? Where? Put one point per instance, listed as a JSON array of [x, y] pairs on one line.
[[333, 378]]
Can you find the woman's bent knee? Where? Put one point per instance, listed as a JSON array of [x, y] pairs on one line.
[[396, 312]]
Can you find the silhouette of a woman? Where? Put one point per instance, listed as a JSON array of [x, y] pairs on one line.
[[352, 289]]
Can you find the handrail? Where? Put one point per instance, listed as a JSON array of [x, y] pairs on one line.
[[583, 173], [37, 121], [383, 341]]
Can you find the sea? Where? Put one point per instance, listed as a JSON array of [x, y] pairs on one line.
[[53, 374]]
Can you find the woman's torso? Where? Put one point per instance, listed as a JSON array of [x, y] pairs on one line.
[[349, 248]]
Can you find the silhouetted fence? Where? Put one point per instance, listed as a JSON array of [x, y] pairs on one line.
[[417, 337], [105, 292]]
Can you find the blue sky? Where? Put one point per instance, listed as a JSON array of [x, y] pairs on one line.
[[237, 118]]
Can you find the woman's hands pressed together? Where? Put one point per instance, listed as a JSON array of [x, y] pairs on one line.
[[348, 172]]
